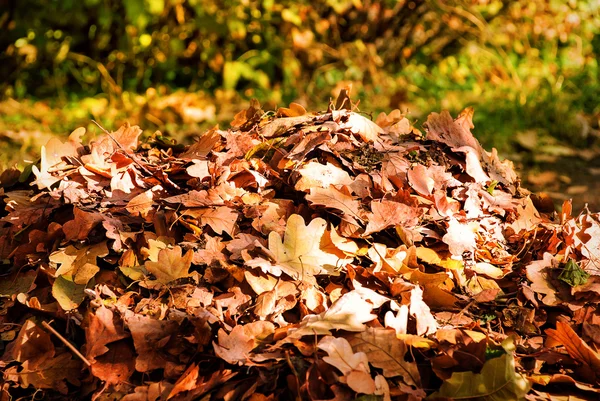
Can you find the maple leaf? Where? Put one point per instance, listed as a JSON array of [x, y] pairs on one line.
[[354, 366], [171, 265], [51, 373], [102, 330], [339, 199], [385, 351], [33, 344], [299, 255], [221, 219], [149, 337], [236, 346], [386, 214]]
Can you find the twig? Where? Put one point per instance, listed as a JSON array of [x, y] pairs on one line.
[[67, 343]]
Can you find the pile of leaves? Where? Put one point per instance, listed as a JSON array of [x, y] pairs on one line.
[[296, 255]]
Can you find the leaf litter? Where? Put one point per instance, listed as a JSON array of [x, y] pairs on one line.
[[296, 255]]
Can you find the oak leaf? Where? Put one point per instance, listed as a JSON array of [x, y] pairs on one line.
[[116, 365], [498, 380], [460, 238], [33, 344], [149, 338], [79, 265], [202, 148], [141, 204], [366, 129], [68, 294], [52, 155]]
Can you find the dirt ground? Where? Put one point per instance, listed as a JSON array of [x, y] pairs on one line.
[[566, 178]]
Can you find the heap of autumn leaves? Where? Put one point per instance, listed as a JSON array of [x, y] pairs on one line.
[[294, 256]]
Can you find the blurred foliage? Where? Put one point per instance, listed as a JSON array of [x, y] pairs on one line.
[[523, 64]]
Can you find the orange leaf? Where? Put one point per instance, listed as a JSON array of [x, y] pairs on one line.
[[576, 347]]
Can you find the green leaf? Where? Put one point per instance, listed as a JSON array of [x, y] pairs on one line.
[[17, 283], [490, 189], [573, 275], [68, 294], [498, 381]]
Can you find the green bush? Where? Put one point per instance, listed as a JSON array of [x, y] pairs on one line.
[[524, 64]]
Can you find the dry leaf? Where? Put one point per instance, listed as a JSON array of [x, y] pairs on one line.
[[171, 265]]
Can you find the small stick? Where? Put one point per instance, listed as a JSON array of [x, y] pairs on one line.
[[67, 343]]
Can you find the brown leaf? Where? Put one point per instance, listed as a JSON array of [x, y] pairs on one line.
[[171, 265], [149, 337], [221, 219], [101, 331], [385, 351], [315, 174], [202, 148], [33, 345], [235, 347], [354, 366], [142, 204], [116, 365], [576, 347], [51, 373], [386, 214], [337, 199]]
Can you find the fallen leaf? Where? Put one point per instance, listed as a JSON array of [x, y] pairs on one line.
[[236, 346], [498, 380], [354, 366], [576, 347], [299, 254], [50, 374], [385, 351], [460, 238], [171, 265], [387, 214], [315, 175]]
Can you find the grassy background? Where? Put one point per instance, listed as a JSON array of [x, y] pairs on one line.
[[181, 65]]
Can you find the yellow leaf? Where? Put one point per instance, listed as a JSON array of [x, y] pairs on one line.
[[300, 254]]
